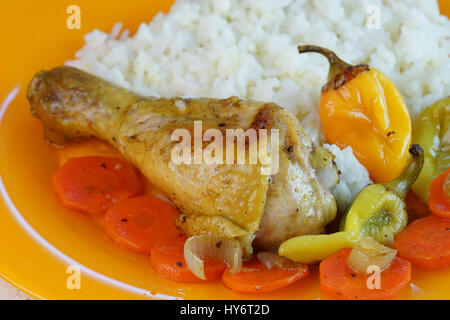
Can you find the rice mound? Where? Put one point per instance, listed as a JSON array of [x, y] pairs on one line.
[[354, 176], [248, 48]]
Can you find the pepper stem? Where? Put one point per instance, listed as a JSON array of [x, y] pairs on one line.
[[337, 66], [404, 182]]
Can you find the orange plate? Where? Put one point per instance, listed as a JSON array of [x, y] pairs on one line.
[[39, 239]]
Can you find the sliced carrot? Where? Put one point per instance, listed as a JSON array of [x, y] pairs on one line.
[[340, 282], [167, 260], [141, 222], [426, 242], [93, 184], [415, 208], [439, 200], [256, 278]]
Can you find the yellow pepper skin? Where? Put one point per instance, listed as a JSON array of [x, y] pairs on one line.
[[360, 107], [379, 212], [314, 248], [432, 132]]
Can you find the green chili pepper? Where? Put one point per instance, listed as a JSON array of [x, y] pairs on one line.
[[378, 212], [432, 132]]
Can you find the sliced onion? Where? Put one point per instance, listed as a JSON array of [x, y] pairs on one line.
[[271, 260], [369, 252], [202, 247], [326, 170], [328, 176]]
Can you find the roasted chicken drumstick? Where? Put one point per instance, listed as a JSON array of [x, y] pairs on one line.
[[226, 200]]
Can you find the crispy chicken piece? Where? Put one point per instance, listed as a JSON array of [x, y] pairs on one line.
[[227, 200]]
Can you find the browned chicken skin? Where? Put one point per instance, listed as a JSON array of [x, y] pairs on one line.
[[227, 200]]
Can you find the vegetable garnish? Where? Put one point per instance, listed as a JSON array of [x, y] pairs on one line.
[[415, 207], [314, 248], [360, 107], [339, 281], [378, 212], [140, 223], [168, 261], [369, 252], [273, 260], [432, 131], [439, 199], [93, 184], [426, 242], [254, 277], [201, 248]]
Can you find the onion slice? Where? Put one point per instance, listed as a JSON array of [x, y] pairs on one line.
[[326, 169], [271, 260], [369, 252], [208, 247]]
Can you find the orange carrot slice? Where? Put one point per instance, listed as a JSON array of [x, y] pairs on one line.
[[340, 282], [426, 242], [439, 200], [256, 278], [93, 184], [167, 260], [141, 222]]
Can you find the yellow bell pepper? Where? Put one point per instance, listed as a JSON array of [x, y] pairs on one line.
[[360, 107], [432, 131], [379, 212]]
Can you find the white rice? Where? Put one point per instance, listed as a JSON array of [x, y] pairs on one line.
[[354, 176], [248, 48]]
